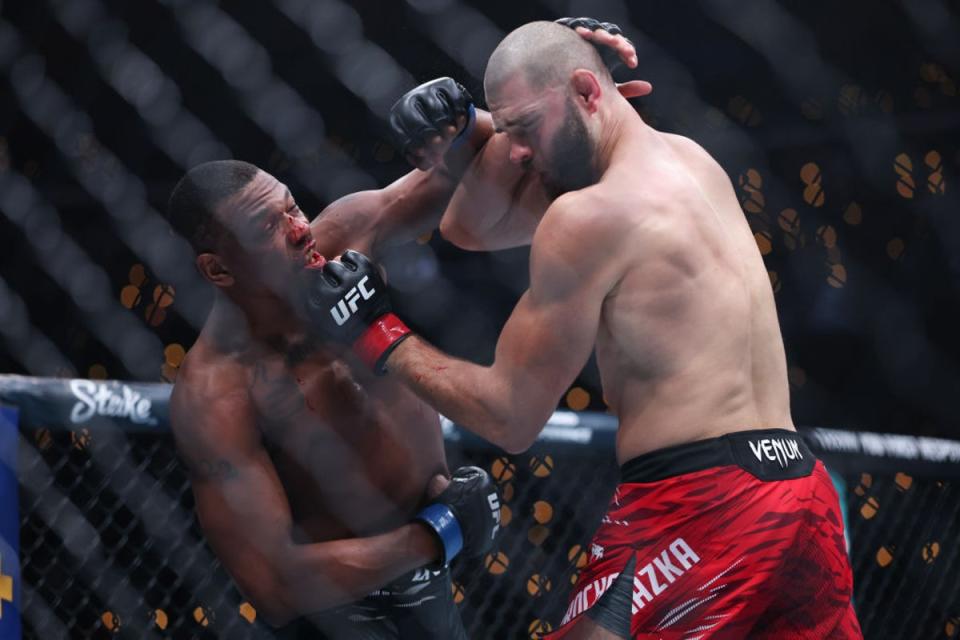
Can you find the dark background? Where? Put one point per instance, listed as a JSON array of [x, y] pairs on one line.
[[837, 123]]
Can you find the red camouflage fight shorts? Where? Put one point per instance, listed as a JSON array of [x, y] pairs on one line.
[[734, 537]]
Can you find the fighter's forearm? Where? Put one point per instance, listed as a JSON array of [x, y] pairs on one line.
[[322, 575], [457, 161], [414, 204], [496, 204], [469, 394]]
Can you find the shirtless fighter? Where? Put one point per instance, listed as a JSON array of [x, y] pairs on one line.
[[724, 524], [308, 471], [312, 477]]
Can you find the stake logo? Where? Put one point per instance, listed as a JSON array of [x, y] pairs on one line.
[[99, 399]]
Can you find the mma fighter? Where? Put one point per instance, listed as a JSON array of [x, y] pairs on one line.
[[306, 469], [724, 524], [312, 476]]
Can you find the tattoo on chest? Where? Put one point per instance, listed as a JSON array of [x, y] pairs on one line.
[[277, 396]]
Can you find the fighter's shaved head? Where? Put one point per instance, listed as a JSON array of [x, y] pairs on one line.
[[546, 54], [192, 205]]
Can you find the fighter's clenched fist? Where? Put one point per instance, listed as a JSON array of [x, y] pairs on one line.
[[346, 301], [430, 119], [466, 516]]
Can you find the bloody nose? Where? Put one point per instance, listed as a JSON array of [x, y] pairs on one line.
[[297, 231]]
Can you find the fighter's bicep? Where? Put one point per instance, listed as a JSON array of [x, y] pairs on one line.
[[235, 483], [571, 274], [572, 263], [551, 332], [350, 222], [528, 203], [239, 497], [542, 348], [245, 519], [243, 511], [542, 334], [497, 203]]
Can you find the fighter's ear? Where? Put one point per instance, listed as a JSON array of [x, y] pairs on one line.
[[212, 268], [587, 89]]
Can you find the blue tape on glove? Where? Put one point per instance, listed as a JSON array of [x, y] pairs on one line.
[[464, 135], [442, 520]]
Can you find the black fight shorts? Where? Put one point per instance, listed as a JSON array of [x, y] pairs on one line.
[[417, 606]]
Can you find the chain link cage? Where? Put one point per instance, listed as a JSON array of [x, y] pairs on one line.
[[110, 546]]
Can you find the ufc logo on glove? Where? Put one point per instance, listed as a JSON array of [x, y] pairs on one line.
[[335, 291], [493, 499], [347, 305]]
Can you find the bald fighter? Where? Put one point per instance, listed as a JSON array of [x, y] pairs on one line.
[[724, 524]]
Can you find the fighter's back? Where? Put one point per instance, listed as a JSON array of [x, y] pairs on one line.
[[693, 364], [689, 346]]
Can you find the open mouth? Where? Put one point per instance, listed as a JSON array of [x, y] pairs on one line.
[[315, 260], [312, 257]]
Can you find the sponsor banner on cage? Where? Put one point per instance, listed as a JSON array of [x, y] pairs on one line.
[[563, 429], [70, 403], [885, 451]]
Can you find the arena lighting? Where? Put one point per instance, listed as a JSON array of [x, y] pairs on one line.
[[142, 83], [296, 128], [362, 66], [462, 32], [101, 173], [82, 279], [35, 351]]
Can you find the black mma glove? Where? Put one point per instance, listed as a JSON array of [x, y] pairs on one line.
[[466, 516], [347, 301], [609, 56], [424, 112]]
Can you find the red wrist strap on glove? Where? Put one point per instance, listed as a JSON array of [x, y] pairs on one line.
[[380, 338]]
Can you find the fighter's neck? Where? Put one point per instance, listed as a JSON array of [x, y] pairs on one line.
[[252, 323], [622, 123]]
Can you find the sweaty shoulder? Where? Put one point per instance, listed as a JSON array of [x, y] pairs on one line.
[[205, 372], [687, 147], [626, 210], [699, 162], [588, 215], [583, 231], [208, 384]]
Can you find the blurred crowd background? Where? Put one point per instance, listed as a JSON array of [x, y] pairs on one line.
[[837, 123]]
